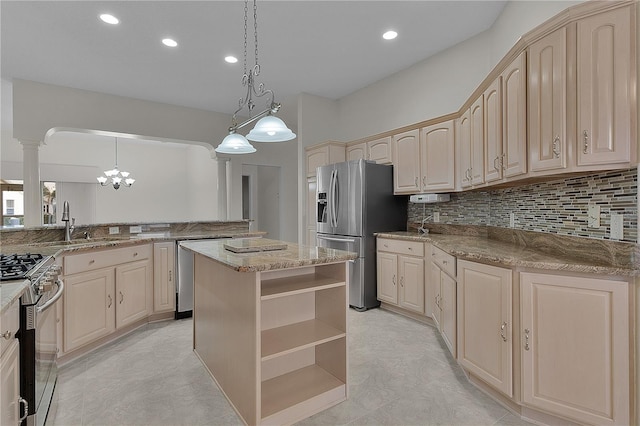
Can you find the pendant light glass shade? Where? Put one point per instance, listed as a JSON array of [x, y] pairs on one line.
[[270, 129], [235, 144]]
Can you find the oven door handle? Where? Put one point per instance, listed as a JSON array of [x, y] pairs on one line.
[[54, 299]]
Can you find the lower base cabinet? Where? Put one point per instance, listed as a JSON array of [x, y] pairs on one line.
[[575, 347], [10, 385], [444, 288], [485, 344], [400, 274]]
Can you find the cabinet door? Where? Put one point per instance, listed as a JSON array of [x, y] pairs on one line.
[[514, 118], [547, 102], [448, 311], [463, 145], [387, 268], [493, 131], [89, 307], [605, 94], [476, 131], [411, 272], [406, 155], [315, 158], [575, 357], [437, 157], [164, 289], [380, 150], [356, 152], [434, 282], [134, 292], [311, 209], [10, 385], [484, 323]]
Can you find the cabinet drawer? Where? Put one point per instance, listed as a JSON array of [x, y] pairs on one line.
[[105, 258], [10, 322], [444, 260], [411, 248]]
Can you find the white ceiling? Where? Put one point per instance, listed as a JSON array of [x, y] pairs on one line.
[[326, 48]]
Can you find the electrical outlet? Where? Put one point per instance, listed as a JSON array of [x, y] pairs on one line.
[[617, 226], [114, 230], [593, 216], [135, 229], [512, 220], [436, 217]]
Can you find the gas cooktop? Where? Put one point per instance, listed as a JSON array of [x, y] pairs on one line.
[[17, 266]]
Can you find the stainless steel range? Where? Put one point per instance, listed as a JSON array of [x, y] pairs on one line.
[[38, 330]]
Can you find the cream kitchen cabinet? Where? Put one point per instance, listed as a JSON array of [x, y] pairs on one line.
[[312, 184], [356, 152], [164, 270], [485, 319], [400, 271], [575, 347], [380, 151], [437, 157], [493, 131], [513, 158], [105, 290], [547, 93], [605, 93], [470, 143], [11, 407], [443, 282], [406, 162]]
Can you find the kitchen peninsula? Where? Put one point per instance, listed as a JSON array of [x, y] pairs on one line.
[[270, 325]]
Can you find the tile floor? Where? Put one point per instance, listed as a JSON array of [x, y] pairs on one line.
[[400, 374]]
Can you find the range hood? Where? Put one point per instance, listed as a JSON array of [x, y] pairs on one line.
[[429, 198]]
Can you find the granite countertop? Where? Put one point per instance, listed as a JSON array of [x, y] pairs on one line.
[[292, 256], [501, 253], [12, 290]]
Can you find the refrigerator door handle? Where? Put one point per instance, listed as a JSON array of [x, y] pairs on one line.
[[334, 199], [341, 240]]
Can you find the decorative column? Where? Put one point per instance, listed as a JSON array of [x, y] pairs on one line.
[[222, 188], [31, 183]]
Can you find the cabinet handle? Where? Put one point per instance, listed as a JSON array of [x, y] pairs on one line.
[[6, 334], [91, 262], [402, 281], [394, 279], [424, 181], [416, 181], [410, 248], [556, 146], [495, 164], [170, 275], [503, 327], [502, 166], [135, 254], [110, 300], [25, 405], [585, 147], [121, 297], [386, 245], [526, 339], [444, 262]]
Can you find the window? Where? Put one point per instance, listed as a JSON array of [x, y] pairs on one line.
[[10, 207], [13, 203]]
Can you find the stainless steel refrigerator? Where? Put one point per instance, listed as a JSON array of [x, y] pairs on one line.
[[354, 199]]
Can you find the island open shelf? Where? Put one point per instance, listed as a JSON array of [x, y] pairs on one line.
[[273, 339]]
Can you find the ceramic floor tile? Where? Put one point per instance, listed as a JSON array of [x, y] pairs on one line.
[[400, 373]]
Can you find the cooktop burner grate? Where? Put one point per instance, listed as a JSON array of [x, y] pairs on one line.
[[16, 266]]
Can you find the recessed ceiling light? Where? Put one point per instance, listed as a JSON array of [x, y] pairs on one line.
[[389, 35], [169, 42], [231, 59], [109, 19]]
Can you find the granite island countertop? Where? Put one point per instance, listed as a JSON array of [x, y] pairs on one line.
[[292, 256], [500, 253]]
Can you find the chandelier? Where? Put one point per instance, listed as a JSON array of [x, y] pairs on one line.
[[268, 128], [116, 176]]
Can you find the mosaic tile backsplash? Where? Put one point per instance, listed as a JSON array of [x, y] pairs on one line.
[[558, 206]]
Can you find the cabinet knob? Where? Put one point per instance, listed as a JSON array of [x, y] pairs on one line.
[[92, 261], [6, 334], [135, 254]]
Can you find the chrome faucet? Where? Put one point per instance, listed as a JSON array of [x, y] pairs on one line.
[[422, 229], [68, 229]]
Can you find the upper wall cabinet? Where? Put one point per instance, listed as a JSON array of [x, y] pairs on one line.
[[406, 170], [493, 131], [470, 143], [323, 154], [437, 157], [548, 102], [380, 151], [356, 152], [513, 159], [605, 94]]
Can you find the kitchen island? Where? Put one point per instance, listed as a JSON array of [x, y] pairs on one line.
[[270, 325]]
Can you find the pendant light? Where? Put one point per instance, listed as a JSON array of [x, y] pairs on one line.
[[116, 176], [268, 127]]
